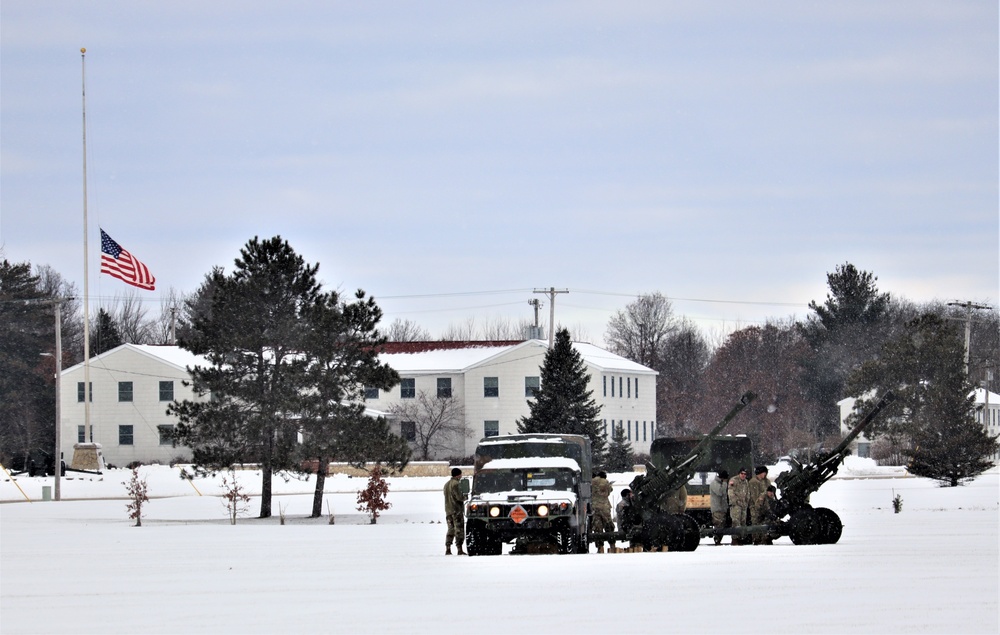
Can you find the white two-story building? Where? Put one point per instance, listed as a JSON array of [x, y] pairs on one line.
[[132, 385], [495, 380]]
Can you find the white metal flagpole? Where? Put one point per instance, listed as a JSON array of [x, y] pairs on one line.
[[88, 433]]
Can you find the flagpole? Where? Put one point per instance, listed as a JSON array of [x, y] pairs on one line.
[[88, 433]]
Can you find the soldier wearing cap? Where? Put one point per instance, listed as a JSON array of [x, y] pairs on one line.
[[739, 501], [600, 490], [758, 492], [454, 509], [718, 492]]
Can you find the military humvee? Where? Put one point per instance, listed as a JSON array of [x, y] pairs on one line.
[[532, 490]]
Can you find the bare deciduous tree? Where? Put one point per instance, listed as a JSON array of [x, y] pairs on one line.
[[130, 317], [640, 330], [406, 331], [438, 424]]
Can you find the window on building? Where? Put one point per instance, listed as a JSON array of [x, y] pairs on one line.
[[612, 386], [491, 386], [629, 428], [408, 430], [79, 392], [629, 385], [531, 386], [81, 434], [620, 393], [605, 385], [407, 388], [636, 387], [166, 434], [444, 387], [644, 431], [125, 435], [491, 428], [124, 391], [371, 392], [166, 391]]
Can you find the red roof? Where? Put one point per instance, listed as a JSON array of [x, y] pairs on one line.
[[423, 347]]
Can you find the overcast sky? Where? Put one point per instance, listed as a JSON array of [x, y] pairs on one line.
[[726, 154]]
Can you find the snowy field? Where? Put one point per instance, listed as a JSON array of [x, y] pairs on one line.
[[79, 566]]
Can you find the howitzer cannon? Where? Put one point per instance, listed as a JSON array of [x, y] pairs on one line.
[[816, 526], [649, 520]]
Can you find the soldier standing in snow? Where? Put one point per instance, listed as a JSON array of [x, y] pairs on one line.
[[454, 509], [739, 501], [600, 490], [758, 492], [718, 491]]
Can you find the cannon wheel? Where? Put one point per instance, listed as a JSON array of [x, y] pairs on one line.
[[804, 527], [830, 526], [692, 533]]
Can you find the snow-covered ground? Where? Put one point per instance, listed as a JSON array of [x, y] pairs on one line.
[[79, 566]]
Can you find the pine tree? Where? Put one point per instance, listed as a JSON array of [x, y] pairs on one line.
[[341, 353], [563, 404], [844, 333], [27, 328], [934, 415], [251, 328], [620, 455], [106, 334]]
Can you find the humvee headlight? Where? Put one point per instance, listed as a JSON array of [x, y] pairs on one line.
[[543, 510], [494, 511], [563, 506]]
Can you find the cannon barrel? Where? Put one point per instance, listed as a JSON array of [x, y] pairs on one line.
[[803, 479], [650, 487]]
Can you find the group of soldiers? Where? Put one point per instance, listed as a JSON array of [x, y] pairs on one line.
[[734, 502], [741, 499]]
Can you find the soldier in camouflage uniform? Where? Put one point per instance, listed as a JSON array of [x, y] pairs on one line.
[[739, 501], [600, 491], [454, 509], [718, 491], [758, 492], [675, 502]]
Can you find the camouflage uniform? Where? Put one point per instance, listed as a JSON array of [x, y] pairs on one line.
[[675, 502], [454, 509], [600, 490], [718, 492], [758, 492], [739, 500], [768, 516], [625, 513]]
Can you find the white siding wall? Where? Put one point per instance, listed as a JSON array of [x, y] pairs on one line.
[[144, 413], [635, 411], [511, 368]]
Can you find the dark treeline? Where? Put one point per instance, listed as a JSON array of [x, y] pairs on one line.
[[801, 370]]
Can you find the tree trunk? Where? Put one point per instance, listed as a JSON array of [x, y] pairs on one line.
[[322, 466], [265, 490]]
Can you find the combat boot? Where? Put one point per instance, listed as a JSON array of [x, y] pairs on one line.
[[600, 548], [447, 550], [460, 551]]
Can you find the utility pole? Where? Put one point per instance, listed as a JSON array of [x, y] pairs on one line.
[[535, 303], [551, 292], [968, 326]]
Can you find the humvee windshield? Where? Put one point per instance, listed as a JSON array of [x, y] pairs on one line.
[[524, 480], [531, 449]]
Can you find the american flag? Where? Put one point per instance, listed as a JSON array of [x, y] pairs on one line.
[[117, 262]]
